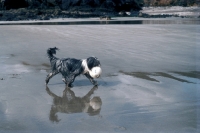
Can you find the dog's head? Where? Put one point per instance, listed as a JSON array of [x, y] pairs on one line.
[[52, 51], [93, 62], [94, 67]]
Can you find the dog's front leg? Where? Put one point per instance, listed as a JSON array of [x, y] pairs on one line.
[[71, 80], [50, 75], [91, 79]]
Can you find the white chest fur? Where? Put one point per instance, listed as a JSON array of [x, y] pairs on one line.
[[84, 64]]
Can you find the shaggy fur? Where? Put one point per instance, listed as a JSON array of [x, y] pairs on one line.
[[70, 68]]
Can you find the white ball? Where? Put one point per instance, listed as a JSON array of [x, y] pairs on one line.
[[95, 72]]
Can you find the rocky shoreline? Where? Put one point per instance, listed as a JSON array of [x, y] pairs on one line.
[[104, 9], [42, 14], [47, 14], [48, 9]]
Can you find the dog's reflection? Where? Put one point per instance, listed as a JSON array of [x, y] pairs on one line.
[[69, 103]]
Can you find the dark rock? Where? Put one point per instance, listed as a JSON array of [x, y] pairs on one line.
[[47, 9], [38, 12], [117, 5], [134, 14], [122, 13], [46, 17], [57, 12], [67, 3], [15, 4], [144, 15]]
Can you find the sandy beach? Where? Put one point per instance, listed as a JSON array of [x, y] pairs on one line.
[[150, 80]]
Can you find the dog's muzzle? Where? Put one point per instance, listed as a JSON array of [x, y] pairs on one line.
[[95, 72]]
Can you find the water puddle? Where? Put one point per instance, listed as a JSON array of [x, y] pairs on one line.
[[149, 76]]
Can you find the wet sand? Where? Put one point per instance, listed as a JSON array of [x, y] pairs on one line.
[[150, 81]]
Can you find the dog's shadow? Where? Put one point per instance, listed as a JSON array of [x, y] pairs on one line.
[[69, 103], [85, 82]]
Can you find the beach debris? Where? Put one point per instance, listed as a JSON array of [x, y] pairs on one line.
[[105, 18], [16, 76]]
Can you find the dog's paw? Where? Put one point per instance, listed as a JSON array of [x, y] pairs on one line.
[[95, 83], [47, 81], [70, 85]]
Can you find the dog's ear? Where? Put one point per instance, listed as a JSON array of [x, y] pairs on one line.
[[53, 50], [95, 57], [56, 48]]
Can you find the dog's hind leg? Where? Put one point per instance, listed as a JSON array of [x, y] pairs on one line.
[[64, 80], [71, 80], [50, 75], [68, 80]]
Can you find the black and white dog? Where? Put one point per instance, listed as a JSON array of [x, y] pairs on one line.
[[70, 67]]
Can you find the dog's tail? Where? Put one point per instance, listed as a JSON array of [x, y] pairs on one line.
[[51, 52]]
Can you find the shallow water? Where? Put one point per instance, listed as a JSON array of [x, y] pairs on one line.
[[151, 77]]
